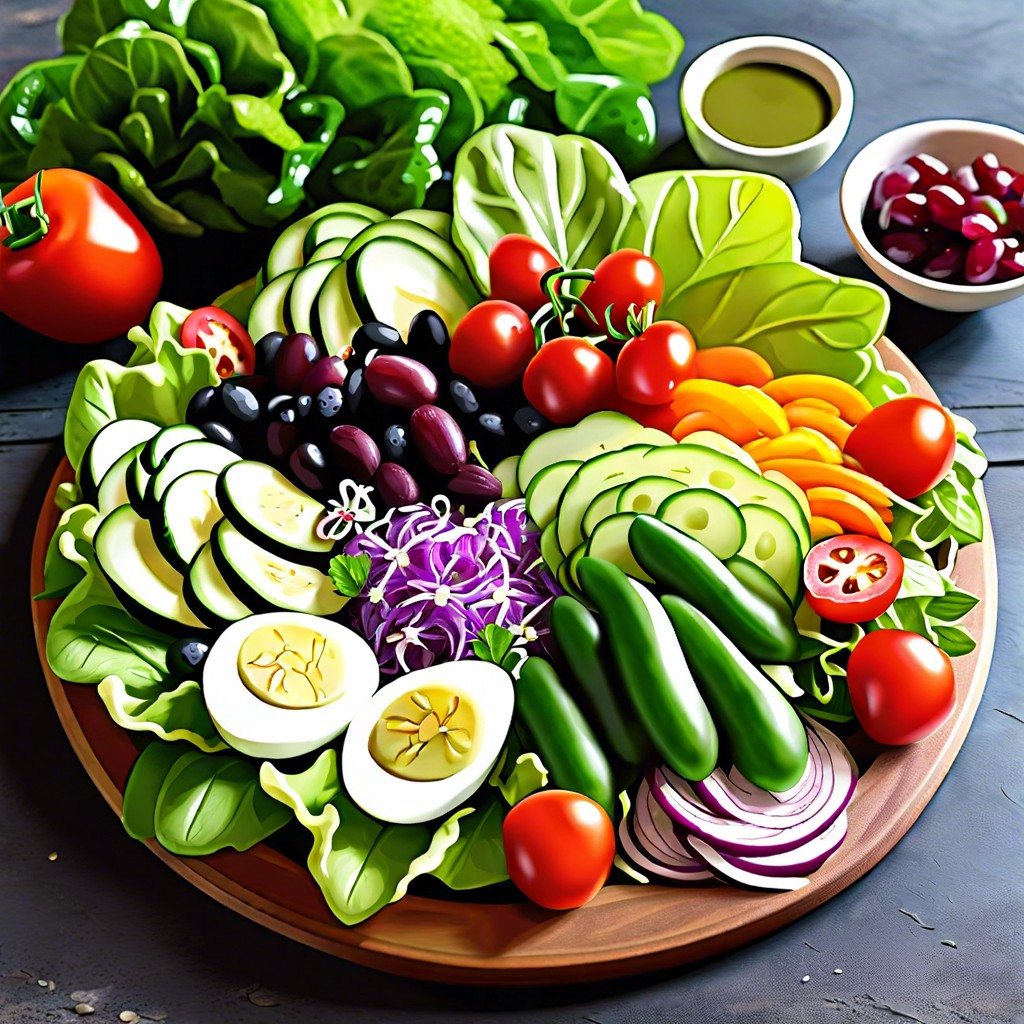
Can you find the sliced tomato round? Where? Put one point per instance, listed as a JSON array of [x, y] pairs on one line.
[[851, 578], [225, 340]]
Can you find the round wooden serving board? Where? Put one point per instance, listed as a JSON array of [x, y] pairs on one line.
[[626, 929]]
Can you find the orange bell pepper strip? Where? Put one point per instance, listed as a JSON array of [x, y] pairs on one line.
[[807, 474], [799, 443], [739, 430], [732, 364], [853, 514], [835, 429], [852, 405], [822, 529]]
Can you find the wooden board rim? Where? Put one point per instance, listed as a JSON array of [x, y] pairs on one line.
[[640, 928]]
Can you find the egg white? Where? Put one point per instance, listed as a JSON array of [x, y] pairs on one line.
[[406, 801], [251, 725]]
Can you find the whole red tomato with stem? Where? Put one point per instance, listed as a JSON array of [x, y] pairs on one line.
[[624, 280], [653, 364], [225, 340], [559, 848], [851, 578], [75, 264], [517, 263], [568, 379], [493, 344], [901, 685], [907, 444]]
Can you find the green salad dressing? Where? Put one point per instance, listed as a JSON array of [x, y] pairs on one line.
[[766, 105]]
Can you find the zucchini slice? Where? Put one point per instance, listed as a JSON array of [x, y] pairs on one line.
[[113, 489], [270, 308], [165, 442], [188, 513], [304, 292], [108, 444], [184, 459], [708, 517], [207, 593]]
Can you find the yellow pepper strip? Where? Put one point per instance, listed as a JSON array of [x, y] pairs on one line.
[[852, 405], [853, 514], [738, 430], [822, 529], [807, 474], [731, 403], [800, 443], [835, 429], [813, 403]]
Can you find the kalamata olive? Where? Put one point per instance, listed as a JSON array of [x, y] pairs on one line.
[[428, 340], [282, 438], [266, 350], [529, 421], [463, 396], [185, 658], [309, 467], [397, 442], [283, 408], [438, 439], [240, 403], [354, 451], [376, 335], [395, 485], [397, 380], [476, 482], [220, 434], [329, 372], [326, 413], [295, 358], [204, 405]]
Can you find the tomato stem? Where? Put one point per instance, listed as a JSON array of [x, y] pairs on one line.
[[26, 221]]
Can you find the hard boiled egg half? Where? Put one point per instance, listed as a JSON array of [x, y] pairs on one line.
[[284, 683], [426, 742]]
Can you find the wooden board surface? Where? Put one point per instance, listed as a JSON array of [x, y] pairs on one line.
[[626, 929]]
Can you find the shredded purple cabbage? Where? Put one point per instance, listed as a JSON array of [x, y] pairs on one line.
[[438, 577]]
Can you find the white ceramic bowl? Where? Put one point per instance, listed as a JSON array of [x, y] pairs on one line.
[[791, 163], [954, 143]]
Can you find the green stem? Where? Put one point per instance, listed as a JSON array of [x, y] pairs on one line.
[[26, 221]]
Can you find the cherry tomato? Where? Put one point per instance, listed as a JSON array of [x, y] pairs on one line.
[[623, 279], [907, 444], [559, 847], [517, 263], [661, 417], [901, 686], [568, 379], [225, 340], [652, 365], [93, 274], [851, 578], [493, 344]]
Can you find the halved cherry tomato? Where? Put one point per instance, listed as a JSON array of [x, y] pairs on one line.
[[627, 278], [517, 263], [493, 344], [901, 685], [851, 578], [568, 379], [559, 847], [225, 340], [652, 365], [907, 444]]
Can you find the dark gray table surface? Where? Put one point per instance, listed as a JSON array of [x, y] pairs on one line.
[[107, 923]]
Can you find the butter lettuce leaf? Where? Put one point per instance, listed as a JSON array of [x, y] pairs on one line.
[[69, 555]]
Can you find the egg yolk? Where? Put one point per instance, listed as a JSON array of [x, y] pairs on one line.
[[426, 735], [291, 666]]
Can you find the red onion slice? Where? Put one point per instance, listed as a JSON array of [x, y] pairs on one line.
[[685, 871], [729, 872], [801, 861]]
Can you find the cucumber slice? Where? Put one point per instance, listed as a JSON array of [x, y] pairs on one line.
[[433, 220], [304, 292], [566, 574], [144, 581], [287, 252], [505, 471], [600, 508], [165, 442], [265, 582], [188, 513], [336, 312], [772, 544], [549, 549], [113, 489], [707, 517], [136, 481], [406, 230], [108, 444], [646, 494], [545, 491], [343, 225], [183, 459], [268, 509], [332, 249], [269, 310], [610, 541], [207, 593]]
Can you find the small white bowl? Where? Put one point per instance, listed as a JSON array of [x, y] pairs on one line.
[[955, 143], [791, 163]]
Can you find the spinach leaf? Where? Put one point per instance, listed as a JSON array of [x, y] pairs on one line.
[[954, 640], [477, 857], [564, 191], [956, 499], [138, 807]]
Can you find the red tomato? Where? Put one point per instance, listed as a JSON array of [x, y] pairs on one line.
[[223, 337], [94, 274], [493, 344], [568, 379], [652, 365], [907, 444], [625, 278], [517, 263], [662, 417], [851, 578], [901, 686], [559, 847]]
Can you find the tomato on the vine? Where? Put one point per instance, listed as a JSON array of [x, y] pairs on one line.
[[559, 847], [76, 264], [851, 578], [627, 278], [517, 263], [652, 365], [224, 339], [492, 344], [901, 685], [907, 444], [568, 379]]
